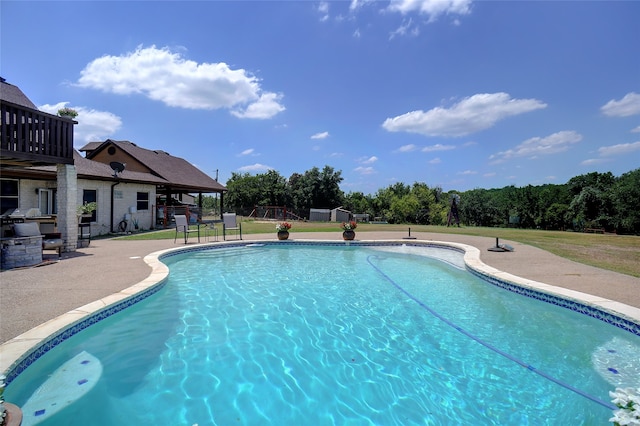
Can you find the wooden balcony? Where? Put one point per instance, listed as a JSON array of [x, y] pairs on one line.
[[29, 137]]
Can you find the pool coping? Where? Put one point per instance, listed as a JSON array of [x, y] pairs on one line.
[[20, 352]]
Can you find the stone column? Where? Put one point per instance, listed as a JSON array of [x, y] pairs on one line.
[[67, 199]]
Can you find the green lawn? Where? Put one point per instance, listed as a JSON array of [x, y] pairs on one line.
[[620, 253]]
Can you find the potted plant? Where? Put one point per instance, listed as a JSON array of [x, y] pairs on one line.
[[348, 232], [283, 230], [87, 209], [69, 113]]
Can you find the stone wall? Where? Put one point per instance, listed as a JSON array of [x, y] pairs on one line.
[[20, 252]]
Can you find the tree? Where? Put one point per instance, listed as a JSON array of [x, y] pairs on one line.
[[273, 189], [555, 216], [357, 202], [315, 189], [426, 203], [600, 181], [585, 207], [625, 199], [243, 193], [403, 209], [480, 207]]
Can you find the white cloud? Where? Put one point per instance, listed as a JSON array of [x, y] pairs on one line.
[[432, 8], [266, 107], [473, 114], [368, 160], [322, 135], [436, 160], [93, 126], [625, 107], [438, 147], [358, 4], [407, 148], [364, 170], [255, 168], [468, 172], [620, 149], [490, 174], [164, 76], [534, 147], [406, 27], [635, 130], [247, 152], [323, 9], [592, 161], [612, 151]]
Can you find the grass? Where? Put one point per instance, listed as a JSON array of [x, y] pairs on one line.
[[619, 253]]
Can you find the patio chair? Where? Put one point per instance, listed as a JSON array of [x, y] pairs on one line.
[[50, 240], [182, 225], [230, 223]]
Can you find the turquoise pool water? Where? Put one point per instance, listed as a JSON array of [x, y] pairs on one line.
[[323, 335]]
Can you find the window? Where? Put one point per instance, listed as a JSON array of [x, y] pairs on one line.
[[142, 201], [46, 201], [8, 194], [90, 196]]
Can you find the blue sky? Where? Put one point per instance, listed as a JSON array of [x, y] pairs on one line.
[[459, 94]]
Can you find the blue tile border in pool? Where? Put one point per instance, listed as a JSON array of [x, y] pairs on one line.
[[55, 339], [572, 305]]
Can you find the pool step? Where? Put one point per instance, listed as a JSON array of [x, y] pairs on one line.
[[618, 363], [70, 382]]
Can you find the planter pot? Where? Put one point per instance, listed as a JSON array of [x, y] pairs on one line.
[[85, 218], [14, 415], [283, 235], [349, 235]]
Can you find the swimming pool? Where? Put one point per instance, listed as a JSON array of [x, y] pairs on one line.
[[265, 334]]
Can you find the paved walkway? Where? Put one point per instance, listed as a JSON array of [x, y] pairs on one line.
[[30, 297]]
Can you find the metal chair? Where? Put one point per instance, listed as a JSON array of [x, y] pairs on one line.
[[182, 225], [230, 223]]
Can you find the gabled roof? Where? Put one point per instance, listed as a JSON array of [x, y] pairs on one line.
[[93, 169], [88, 169], [13, 94], [178, 173]]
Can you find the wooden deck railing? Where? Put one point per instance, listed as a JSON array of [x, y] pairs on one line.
[[32, 137]]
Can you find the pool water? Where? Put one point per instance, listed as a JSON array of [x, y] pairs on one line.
[[340, 335]]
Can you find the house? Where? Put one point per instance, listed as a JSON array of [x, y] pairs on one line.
[[180, 178], [45, 179], [125, 196]]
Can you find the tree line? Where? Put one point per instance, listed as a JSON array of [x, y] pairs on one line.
[[590, 201]]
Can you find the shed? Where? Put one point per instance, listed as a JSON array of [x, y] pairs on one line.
[[361, 217], [319, 215], [340, 215]]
